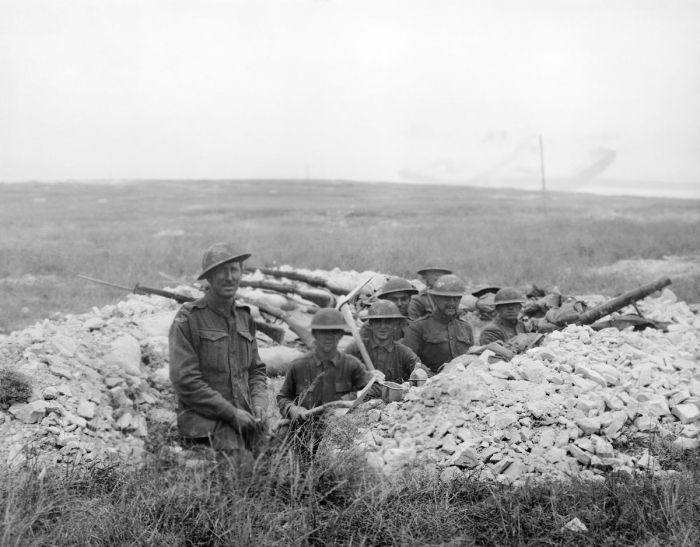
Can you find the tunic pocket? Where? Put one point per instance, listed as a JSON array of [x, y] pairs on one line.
[[245, 349], [213, 349]]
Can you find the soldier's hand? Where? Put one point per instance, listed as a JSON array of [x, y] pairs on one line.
[[379, 375], [260, 414], [298, 413], [245, 420]]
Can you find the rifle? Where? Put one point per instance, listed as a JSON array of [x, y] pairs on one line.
[[298, 276], [300, 330], [273, 331], [625, 299], [319, 297]]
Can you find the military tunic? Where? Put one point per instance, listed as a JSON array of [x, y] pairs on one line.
[[396, 361], [312, 381], [498, 330], [215, 367], [421, 305], [437, 339]]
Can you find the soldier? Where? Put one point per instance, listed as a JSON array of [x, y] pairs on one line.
[[399, 292], [322, 375], [421, 304], [505, 325], [215, 369], [443, 335], [394, 360]]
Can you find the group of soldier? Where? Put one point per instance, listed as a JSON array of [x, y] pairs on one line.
[[220, 380]]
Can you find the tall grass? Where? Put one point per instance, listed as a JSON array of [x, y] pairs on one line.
[[488, 236], [284, 498]]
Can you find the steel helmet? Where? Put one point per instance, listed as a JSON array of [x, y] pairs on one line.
[[448, 285], [508, 295], [328, 319], [383, 309], [435, 264], [397, 285], [485, 290], [219, 253]]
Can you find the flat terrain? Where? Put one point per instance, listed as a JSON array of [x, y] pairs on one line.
[[129, 232]]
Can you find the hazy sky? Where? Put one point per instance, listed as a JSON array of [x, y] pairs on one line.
[[347, 89]]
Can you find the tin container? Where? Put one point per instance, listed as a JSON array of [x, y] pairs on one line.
[[392, 392]]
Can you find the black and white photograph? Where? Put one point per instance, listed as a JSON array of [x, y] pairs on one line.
[[349, 272]]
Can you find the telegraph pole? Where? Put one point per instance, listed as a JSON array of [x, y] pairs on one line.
[[544, 185]]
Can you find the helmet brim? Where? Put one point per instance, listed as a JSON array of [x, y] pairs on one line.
[[426, 270], [445, 293], [238, 258]]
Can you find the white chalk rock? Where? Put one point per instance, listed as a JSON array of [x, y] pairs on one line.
[[686, 413], [575, 525], [29, 413], [64, 345], [125, 352], [86, 409], [157, 324]]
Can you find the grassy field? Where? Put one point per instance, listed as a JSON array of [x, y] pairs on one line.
[[129, 232]]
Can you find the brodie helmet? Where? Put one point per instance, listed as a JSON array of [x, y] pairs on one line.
[[448, 285], [383, 309], [328, 319], [218, 254], [508, 295], [397, 285]]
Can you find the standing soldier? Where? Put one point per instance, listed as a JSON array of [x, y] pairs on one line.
[[322, 375], [505, 325], [215, 369], [443, 335], [395, 361], [421, 304], [397, 291]]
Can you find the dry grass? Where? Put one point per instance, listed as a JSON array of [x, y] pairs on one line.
[[54, 232]]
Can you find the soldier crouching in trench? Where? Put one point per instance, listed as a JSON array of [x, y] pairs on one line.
[[215, 369], [321, 376]]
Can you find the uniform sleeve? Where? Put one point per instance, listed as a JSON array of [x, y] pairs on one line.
[[186, 377], [416, 310], [285, 398], [489, 335], [409, 361], [412, 340], [257, 373]]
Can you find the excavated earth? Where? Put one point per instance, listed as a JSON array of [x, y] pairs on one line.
[[571, 406]]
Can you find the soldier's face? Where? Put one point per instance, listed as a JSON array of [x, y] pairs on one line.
[[448, 305], [327, 341], [401, 299], [509, 312], [382, 329], [224, 280], [431, 276]]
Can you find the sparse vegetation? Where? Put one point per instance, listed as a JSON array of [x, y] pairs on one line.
[[129, 232], [15, 387]]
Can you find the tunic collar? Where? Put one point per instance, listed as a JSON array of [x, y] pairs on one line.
[[389, 347], [218, 306], [334, 360]]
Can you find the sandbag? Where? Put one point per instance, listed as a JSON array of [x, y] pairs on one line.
[[278, 359]]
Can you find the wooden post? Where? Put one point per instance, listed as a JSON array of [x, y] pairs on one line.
[[544, 185]]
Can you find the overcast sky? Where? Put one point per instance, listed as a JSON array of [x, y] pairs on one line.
[[348, 89]]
